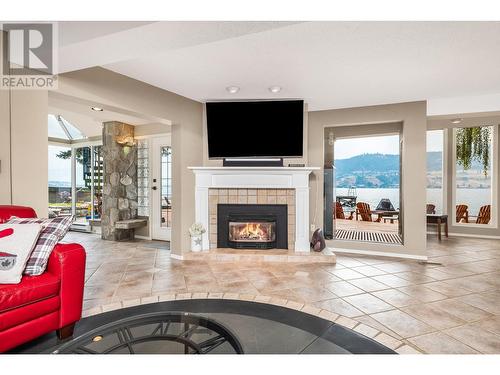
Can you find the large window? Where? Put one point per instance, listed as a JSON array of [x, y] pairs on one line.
[[473, 150], [435, 202], [59, 180], [83, 198]]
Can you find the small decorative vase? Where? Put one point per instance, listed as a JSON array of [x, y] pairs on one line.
[[196, 242]]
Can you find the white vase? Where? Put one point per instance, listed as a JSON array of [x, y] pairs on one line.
[[196, 242]]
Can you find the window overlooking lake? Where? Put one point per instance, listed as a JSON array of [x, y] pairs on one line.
[[473, 187], [367, 189], [435, 170]]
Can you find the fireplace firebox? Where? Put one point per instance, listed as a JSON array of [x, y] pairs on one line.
[[252, 226]]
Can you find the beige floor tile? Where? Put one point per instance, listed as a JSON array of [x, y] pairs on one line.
[[489, 302], [347, 274], [339, 306], [446, 289], [258, 274], [403, 324], [229, 276], [395, 297], [415, 278], [368, 320], [387, 340], [309, 294], [366, 330], [477, 338], [440, 343], [343, 288], [461, 310], [368, 303], [422, 293], [491, 324], [393, 267], [407, 349], [369, 284], [433, 316], [392, 280], [269, 284], [369, 271]]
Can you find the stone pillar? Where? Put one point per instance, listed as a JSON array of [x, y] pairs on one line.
[[119, 198]]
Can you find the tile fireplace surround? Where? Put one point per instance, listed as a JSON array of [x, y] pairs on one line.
[[254, 185]]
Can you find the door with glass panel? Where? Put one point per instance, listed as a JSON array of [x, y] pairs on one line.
[[161, 189]]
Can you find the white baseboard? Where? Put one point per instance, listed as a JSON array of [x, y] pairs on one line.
[[380, 253], [143, 237], [467, 235], [474, 236], [175, 256]]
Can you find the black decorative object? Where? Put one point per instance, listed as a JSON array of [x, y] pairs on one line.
[[385, 204], [253, 162], [167, 333], [248, 327], [318, 240]]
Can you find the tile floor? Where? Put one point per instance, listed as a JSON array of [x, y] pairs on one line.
[[448, 308]]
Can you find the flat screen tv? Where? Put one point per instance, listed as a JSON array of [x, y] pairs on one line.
[[255, 129]]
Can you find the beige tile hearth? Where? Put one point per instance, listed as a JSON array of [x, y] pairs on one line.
[[452, 308]]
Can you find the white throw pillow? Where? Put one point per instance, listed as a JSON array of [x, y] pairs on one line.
[[16, 244]]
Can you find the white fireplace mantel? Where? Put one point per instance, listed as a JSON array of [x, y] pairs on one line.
[[256, 178]]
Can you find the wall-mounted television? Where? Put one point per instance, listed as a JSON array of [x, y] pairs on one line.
[[255, 129]]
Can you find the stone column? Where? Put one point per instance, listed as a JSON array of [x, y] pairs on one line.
[[119, 201]]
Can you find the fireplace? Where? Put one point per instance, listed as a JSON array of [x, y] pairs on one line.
[[252, 226]]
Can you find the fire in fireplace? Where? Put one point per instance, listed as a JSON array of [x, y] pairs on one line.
[[252, 231], [252, 226]]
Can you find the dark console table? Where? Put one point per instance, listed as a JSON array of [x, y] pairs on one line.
[[438, 220]]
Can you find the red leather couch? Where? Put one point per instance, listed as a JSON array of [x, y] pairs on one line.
[[40, 304]]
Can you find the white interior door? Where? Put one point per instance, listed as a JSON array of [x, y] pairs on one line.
[[161, 189]]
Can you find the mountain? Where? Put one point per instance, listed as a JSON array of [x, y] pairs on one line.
[[381, 170], [367, 163]]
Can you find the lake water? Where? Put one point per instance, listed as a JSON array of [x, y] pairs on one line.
[[474, 198]]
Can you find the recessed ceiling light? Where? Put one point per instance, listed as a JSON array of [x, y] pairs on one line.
[[275, 89], [456, 120], [97, 109], [232, 89]]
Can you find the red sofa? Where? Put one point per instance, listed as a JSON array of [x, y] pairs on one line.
[[40, 304]]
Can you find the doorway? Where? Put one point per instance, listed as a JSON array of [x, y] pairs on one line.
[[161, 189], [363, 185]]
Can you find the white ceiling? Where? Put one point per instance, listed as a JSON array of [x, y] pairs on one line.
[[79, 113], [329, 64]]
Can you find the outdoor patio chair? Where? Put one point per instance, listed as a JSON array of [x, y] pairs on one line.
[[431, 209], [462, 213], [484, 215], [363, 209], [339, 212]]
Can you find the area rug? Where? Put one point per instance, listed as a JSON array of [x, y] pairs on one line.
[[379, 237]]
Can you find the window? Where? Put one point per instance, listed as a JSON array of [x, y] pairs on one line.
[[142, 177], [59, 180], [166, 186], [435, 170], [474, 177]]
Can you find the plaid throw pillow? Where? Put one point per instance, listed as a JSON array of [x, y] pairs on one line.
[[53, 231]]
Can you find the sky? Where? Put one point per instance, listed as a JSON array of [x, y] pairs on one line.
[[349, 147], [60, 169], [387, 144]]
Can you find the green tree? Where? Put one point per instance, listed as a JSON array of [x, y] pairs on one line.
[[473, 144]]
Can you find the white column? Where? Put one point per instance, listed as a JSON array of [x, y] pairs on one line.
[[302, 219], [201, 214]]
